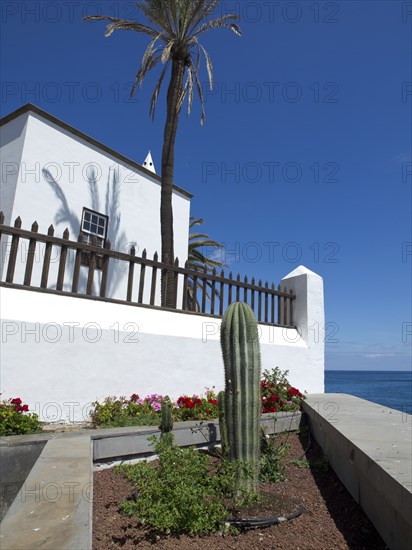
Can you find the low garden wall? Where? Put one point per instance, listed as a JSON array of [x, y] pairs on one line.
[[369, 448]]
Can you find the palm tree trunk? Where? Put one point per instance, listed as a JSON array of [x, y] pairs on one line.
[[168, 154]]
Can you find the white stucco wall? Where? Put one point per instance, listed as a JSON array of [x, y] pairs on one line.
[[55, 181], [11, 149], [60, 353]]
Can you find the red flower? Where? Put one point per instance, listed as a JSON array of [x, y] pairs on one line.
[[269, 409], [16, 401], [25, 408], [213, 402], [294, 392], [134, 397]]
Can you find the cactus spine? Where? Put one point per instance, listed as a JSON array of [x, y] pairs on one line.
[[241, 356], [222, 424]]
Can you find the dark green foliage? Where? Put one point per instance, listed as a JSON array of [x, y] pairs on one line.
[[117, 412], [15, 421], [272, 468], [180, 495], [317, 465]]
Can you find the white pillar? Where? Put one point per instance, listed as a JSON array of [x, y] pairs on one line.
[[309, 316]]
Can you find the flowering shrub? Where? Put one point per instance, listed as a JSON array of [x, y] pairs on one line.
[[127, 412], [277, 394], [195, 407], [13, 421]]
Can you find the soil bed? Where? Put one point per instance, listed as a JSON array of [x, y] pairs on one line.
[[331, 520]]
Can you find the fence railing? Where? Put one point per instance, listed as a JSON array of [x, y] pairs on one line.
[[203, 292]]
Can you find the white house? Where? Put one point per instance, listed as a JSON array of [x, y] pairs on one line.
[[62, 349], [54, 174]]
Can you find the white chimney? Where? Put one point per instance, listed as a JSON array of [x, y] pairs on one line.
[[148, 163]]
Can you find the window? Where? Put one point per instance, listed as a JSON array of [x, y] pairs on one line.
[[94, 224]]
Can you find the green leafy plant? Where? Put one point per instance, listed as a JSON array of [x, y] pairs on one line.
[[318, 465], [303, 431], [272, 467], [119, 411], [179, 494], [301, 463], [276, 392], [16, 420]]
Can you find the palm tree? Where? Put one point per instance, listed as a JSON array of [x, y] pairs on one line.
[[174, 27], [197, 260]]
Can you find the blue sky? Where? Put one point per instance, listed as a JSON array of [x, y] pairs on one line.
[[305, 157]]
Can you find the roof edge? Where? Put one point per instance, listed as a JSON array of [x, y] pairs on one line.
[[51, 118]]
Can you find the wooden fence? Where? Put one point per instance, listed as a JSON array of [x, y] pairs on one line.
[[202, 292]]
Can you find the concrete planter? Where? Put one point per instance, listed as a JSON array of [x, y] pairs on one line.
[[54, 503]]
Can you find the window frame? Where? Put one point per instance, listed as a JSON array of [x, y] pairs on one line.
[[87, 233]]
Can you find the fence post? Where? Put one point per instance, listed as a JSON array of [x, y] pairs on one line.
[[131, 275], [105, 270], [62, 263], [30, 256], [142, 278], [308, 315], [13, 252], [46, 259], [77, 264]]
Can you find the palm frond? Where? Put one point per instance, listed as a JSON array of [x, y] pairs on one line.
[[166, 51], [206, 242], [155, 95], [121, 24], [195, 221], [197, 241], [143, 70], [219, 23], [202, 9], [156, 13], [200, 92], [194, 236], [209, 66]]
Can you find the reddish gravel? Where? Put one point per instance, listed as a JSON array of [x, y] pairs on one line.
[[332, 519]]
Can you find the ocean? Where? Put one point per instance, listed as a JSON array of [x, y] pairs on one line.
[[389, 388]]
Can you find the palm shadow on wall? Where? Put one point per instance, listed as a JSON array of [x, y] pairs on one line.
[[72, 221]]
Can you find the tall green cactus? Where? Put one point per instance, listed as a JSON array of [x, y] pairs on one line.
[[166, 423], [222, 424], [239, 340]]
